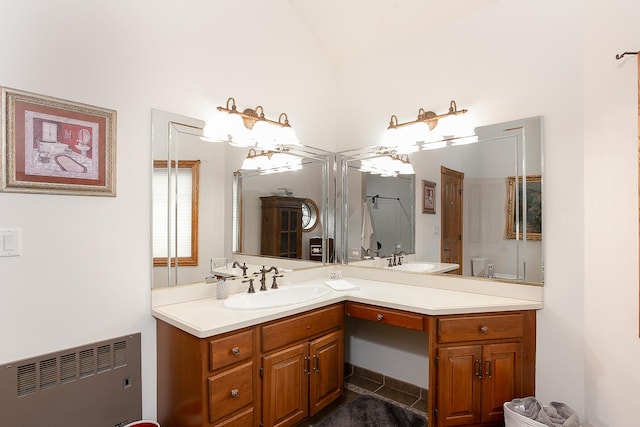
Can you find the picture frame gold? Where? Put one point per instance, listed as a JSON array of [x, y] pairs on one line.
[[533, 205], [55, 146]]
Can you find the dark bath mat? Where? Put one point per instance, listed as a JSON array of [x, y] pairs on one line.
[[367, 410]]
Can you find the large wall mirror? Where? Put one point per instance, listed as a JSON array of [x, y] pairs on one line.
[[285, 214], [206, 210], [487, 214]]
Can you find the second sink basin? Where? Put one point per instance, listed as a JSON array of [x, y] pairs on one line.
[[273, 298], [416, 267]]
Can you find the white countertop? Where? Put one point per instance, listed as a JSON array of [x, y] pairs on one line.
[[206, 317]]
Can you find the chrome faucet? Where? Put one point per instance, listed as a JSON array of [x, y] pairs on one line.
[[242, 267], [263, 277]]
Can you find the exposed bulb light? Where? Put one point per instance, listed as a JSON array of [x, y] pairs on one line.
[[405, 137], [250, 128], [267, 161], [388, 163]]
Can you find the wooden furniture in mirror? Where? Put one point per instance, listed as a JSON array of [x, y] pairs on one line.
[[281, 232]]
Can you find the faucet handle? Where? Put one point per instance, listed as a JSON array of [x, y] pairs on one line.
[[251, 288], [274, 284]]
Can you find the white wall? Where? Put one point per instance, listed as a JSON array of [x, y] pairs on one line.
[[84, 273], [611, 343], [510, 60]]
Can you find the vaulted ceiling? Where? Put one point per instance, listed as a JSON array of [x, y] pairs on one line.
[[348, 29]]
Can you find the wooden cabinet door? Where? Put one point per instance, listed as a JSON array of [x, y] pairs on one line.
[[285, 388], [327, 370], [460, 385], [502, 382]]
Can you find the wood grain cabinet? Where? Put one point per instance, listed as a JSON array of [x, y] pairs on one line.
[[303, 365], [274, 374], [480, 362], [281, 227], [208, 381]]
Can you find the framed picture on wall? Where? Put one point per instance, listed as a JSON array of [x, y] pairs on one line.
[[428, 197], [532, 201], [50, 145]]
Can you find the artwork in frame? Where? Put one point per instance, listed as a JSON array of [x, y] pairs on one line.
[[54, 146], [428, 197], [533, 203]]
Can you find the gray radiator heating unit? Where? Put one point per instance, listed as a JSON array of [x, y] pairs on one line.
[[95, 385]]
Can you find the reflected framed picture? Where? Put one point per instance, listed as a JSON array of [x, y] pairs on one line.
[[54, 146], [428, 197], [532, 200]]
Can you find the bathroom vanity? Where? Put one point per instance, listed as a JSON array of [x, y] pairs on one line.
[[276, 367]]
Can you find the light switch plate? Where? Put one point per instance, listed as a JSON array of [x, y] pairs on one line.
[[9, 242]]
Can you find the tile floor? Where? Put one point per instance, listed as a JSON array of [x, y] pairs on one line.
[[362, 381]]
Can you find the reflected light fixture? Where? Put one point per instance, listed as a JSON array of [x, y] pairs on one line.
[[387, 163], [404, 136], [269, 161], [250, 128]]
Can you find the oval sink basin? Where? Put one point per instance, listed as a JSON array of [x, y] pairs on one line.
[[273, 298], [416, 267]]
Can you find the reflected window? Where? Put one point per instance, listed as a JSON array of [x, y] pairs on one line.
[[175, 228], [309, 215]]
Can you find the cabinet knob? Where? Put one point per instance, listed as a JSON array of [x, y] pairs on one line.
[[379, 317], [484, 330], [235, 393], [235, 351]]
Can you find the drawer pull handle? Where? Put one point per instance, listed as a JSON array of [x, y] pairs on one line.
[[235, 351], [235, 393], [484, 330], [379, 317], [317, 367]]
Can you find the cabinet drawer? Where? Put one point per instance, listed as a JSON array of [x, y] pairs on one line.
[[230, 391], [243, 419], [386, 315], [301, 327], [231, 349], [472, 328]]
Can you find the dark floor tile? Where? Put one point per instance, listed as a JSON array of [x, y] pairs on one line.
[[402, 386], [397, 396], [420, 405], [364, 383], [370, 375]]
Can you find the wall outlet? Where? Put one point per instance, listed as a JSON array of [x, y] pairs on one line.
[[218, 263]]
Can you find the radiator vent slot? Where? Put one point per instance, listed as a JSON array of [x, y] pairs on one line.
[[68, 368], [87, 363], [26, 379], [48, 373], [104, 358], [119, 354]]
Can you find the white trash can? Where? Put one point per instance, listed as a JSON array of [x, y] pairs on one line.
[[529, 412]]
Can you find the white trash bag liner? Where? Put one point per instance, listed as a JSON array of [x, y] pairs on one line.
[[530, 412]]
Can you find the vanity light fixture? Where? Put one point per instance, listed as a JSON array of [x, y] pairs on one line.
[[387, 163], [270, 161], [250, 128], [405, 136]]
